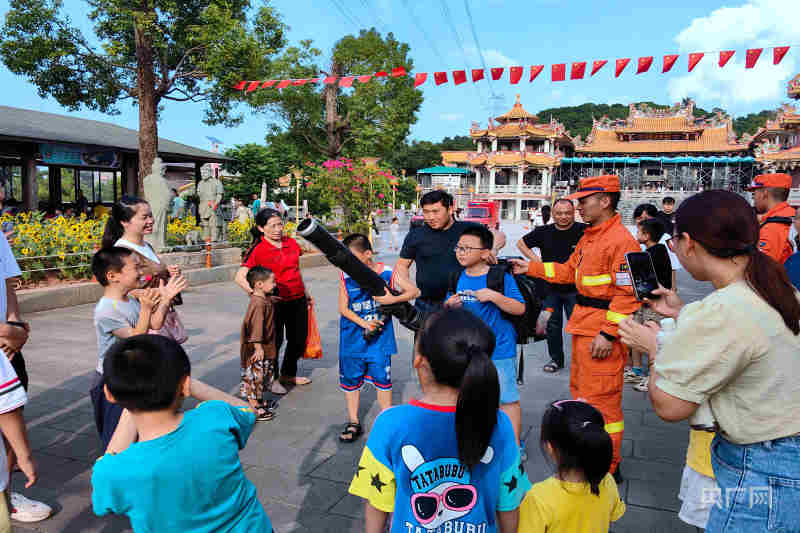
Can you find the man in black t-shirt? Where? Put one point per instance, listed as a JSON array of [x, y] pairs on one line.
[[432, 247], [556, 242]]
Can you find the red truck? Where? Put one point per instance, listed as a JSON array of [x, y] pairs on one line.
[[482, 212]]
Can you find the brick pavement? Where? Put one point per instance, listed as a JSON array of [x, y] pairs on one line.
[[296, 461]]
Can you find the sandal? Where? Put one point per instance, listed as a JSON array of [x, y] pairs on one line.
[[352, 431], [551, 367], [263, 414]]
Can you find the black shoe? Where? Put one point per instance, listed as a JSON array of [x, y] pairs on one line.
[[618, 475]]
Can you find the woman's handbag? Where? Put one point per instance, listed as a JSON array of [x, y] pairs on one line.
[[313, 341]]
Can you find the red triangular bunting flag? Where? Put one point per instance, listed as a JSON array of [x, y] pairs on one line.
[[239, 86], [300, 82], [268, 84], [477, 74], [314, 80], [578, 70], [515, 73], [777, 54], [644, 64], [381, 74], [559, 72], [253, 86], [497, 73], [283, 84], [459, 77], [535, 71], [752, 57], [694, 59], [597, 65], [346, 81], [621, 64], [365, 78], [419, 78], [398, 71], [725, 56], [440, 77], [328, 80], [669, 62]]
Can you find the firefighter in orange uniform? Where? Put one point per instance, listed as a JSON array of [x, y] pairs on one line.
[[770, 192], [605, 298]]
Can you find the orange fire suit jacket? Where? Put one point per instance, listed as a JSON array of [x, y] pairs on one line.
[[773, 238], [600, 273]]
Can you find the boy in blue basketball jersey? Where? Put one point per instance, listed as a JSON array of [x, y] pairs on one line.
[[366, 337]]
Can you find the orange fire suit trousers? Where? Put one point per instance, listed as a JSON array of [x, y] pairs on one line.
[[599, 382]]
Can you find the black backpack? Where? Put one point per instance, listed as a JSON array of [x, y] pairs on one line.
[[524, 324]]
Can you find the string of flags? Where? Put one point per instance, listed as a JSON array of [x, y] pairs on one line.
[[558, 71]]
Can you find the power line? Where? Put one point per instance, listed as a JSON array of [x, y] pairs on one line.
[[421, 28], [479, 49], [449, 18], [368, 6], [347, 14]]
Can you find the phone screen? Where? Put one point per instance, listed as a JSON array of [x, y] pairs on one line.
[[643, 274]]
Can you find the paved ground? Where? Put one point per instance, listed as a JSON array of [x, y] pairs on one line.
[[296, 461]]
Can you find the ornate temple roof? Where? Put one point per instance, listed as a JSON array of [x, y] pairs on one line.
[[712, 135], [517, 112], [793, 90], [501, 159], [517, 123]]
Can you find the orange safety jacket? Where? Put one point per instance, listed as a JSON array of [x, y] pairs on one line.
[[600, 273], [773, 238]]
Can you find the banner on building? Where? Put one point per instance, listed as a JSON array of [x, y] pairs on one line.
[[77, 155]]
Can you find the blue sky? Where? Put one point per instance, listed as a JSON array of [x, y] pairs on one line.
[[520, 32]]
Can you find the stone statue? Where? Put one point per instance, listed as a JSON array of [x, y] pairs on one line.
[[158, 195], [210, 192]]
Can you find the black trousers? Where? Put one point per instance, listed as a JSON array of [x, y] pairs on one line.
[[291, 316]]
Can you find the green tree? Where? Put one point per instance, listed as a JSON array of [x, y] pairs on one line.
[[256, 164], [459, 142], [417, 155], [406, 191], [750, 123], [328, 121], [149, 51]]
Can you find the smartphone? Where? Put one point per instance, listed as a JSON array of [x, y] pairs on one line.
[[643, 274]]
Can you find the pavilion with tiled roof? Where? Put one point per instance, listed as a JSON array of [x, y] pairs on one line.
[[663, 149], [515, 159], [777, 145]]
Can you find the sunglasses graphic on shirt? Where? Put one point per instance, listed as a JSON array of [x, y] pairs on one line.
[[458, 498]]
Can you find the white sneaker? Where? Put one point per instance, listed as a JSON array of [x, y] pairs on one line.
[[26, 510], [277, 388], [643, 385]]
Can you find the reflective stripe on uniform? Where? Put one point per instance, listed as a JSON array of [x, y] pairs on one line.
[[616, 318], [615, 427], [549, 270], [594, 281]]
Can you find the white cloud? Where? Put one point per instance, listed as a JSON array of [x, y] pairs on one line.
[[755, 24], [451, 117], [493, 58]]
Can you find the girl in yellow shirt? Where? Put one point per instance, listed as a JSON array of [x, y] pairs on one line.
[[582, 496]]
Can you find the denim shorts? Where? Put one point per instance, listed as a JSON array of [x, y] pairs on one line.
[[759, 486], [507, 375]]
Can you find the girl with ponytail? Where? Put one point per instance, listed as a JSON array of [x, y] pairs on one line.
[[448, 461], [279, 253], [582, 496], [736, 352]]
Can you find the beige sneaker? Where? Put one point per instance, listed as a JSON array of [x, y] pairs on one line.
[[277, 388]]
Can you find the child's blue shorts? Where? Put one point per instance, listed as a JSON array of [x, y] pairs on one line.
[[355, 369], [507, 375]]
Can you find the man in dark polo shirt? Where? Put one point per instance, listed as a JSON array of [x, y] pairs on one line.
[[556, 242], [432, 247]]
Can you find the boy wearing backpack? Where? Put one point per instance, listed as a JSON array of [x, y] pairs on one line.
[[472, 291]]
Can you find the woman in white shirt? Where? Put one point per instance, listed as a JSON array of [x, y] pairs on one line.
[[737, 349]]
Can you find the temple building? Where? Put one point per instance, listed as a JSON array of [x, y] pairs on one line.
[[662, 150], [514, 162], [777, 145]]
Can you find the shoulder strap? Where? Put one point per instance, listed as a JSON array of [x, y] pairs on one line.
[[778, 220], [452, 284], [495, 279]]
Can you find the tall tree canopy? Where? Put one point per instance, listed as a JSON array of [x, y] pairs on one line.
[[328, 121], [146, 50]]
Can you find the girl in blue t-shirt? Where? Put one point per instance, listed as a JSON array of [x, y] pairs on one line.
[[448, 461]]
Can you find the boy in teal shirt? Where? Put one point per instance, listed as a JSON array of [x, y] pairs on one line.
[[184, 473]]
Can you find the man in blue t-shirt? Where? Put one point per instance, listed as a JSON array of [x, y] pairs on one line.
[[473, 250]]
